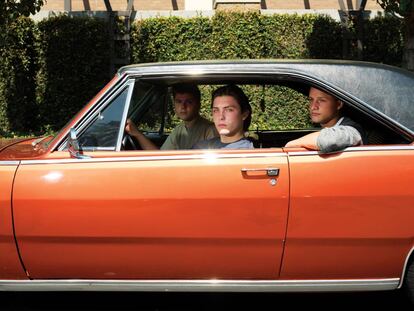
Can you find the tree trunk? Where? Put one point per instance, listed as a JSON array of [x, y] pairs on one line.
[[408, 58]]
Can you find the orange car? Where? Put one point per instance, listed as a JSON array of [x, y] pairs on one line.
[[85, 211]]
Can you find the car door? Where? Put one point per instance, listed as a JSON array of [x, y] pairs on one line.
[[161, 215], [350, 213], [150, 214]]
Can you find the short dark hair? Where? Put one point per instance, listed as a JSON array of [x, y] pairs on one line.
[[241, 98], [187, 88]]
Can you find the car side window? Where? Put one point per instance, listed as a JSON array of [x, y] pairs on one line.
[[147, 107], [103, 133], [147, 111]]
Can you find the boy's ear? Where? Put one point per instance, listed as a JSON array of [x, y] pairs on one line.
[[245, 114]]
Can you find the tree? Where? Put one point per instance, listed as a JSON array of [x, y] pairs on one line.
[[404, 8], [12, 9], [17, 86]]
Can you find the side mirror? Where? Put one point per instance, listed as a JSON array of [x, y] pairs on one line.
[[73, 146]]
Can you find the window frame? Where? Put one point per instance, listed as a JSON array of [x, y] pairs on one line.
[[90, 117]]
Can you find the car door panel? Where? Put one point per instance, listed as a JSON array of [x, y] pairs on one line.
[[152, 217], [350, 214]]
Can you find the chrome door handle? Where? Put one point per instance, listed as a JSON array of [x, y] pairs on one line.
[[271, 171]]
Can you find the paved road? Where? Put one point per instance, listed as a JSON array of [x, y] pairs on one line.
[[197, 301]]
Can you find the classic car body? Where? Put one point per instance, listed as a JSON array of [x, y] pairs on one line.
[[265, 219]]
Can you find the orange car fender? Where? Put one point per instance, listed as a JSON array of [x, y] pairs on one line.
[[10, 266]]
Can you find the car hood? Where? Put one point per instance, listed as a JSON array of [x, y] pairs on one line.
[[19, 149]]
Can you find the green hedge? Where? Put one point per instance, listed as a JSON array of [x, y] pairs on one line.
[[165, 39], [384, 40], [49, 70], [74, 66], [18, 107], [236, 36]]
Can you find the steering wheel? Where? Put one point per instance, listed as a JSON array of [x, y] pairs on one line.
[[127, 139]]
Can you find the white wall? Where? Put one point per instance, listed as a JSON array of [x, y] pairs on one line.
[[198, 5]]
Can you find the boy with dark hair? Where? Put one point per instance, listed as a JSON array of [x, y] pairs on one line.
[[232, 116], [193, 129]]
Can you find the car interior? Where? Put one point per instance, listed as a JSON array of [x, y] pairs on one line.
[[280, 112]]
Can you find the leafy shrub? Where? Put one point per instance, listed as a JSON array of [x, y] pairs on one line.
[[384, 40], [49, 70], [18, 107], [74, 65]]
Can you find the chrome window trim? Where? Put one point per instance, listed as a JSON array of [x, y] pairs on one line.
[[9, 163], [93, 112], [201, 285], [200, 156], [405, 267], [104, 100], [131, 84], [98, 149]]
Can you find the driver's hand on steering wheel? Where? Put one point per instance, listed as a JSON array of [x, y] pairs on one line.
[[131, 128]]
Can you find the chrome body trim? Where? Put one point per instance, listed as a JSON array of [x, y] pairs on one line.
[[5, 163], [405, 267], [380, 148], [210, 156], [201, 285], [73, 146], [37, 141], [351, 149]]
